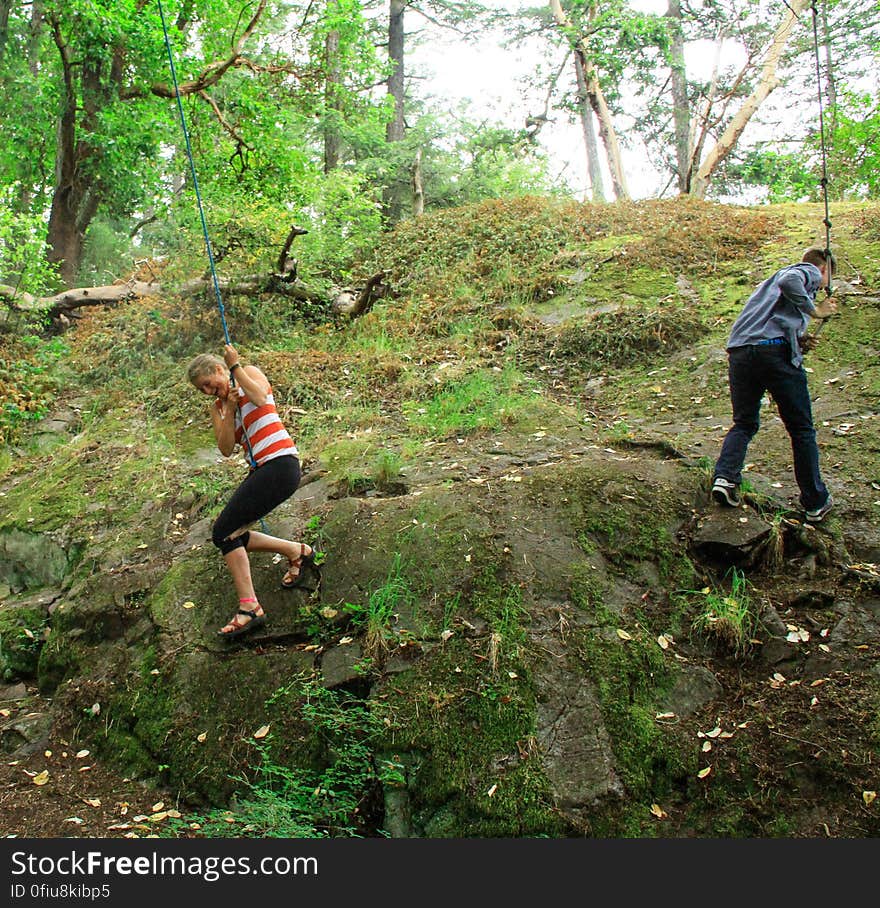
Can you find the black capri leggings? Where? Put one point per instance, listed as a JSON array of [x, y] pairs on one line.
[[263, 489]]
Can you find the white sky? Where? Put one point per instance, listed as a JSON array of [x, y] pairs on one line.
[[495, 81]]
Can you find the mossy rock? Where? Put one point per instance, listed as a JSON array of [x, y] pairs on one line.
[[31, 560]]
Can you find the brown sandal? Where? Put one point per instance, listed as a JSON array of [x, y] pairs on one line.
[[250, 625], [298, 564]]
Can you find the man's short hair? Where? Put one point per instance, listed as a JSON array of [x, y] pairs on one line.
[[817, 256]]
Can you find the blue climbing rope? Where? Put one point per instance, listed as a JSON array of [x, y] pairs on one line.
[[195, 179], [192, 169]]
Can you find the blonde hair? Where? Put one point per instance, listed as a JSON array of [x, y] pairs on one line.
[[819, 257], [202, 365]]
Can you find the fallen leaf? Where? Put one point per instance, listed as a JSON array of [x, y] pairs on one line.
[[778, 677], [707, 746], [202, 737], [82, 753], [662, 642], [77, 820], [704, 772], [189, 604], [623, 634], [445, 635], [261, 732], [6, 713], [665, 716], [158, 817], [346, 640], [93, 802], [658, 811], [492, 790], [714, 733], [41, 778], [868, 797], [157, 806]]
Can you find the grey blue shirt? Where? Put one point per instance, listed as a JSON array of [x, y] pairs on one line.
[[780, 307]]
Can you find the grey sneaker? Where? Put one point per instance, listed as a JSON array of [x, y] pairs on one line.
[[726, 492], [818, 514]]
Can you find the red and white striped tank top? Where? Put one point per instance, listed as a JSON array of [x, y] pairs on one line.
[[265, 432]]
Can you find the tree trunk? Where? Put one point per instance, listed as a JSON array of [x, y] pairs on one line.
[[417, 187], [594, 170], [396, 86], [332, 140], [597, 102], [680, 108], [5, 9], [394, 195], [766, 83]]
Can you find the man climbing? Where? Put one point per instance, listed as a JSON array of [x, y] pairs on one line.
[[765, 353]]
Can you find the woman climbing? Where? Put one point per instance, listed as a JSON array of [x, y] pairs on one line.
[[244, 413]]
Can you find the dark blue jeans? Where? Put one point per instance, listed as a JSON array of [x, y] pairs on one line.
[[752, 371]]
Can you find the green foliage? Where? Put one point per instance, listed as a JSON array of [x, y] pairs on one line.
[[107, 254], [23, 262], [322, 800], [27, 383], [377, 616], [730, 618], [854, 158], [786, 176]]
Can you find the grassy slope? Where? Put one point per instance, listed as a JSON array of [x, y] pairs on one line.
[[524, 319]]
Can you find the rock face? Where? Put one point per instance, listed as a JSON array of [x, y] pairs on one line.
[[486, 657], [445, 630]]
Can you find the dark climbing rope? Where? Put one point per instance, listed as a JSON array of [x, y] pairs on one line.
[[824, 179]]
